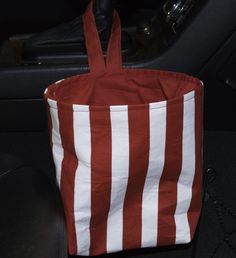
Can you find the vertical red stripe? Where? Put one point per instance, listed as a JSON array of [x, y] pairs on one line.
[[171, 173], [100, 179], [69, 166], [138, 166], [196, 203]]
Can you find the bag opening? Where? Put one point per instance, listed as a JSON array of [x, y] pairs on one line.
[[134, 87]]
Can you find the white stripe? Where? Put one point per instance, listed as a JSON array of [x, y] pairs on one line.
[[120, 173], [82, 191], [118, 108], [155, 169], [184, 188], [189, 96], [60, 81], [157, 105], [57, 149], [52, 103], [81, 108]]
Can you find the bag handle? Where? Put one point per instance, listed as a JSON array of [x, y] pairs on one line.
[[93, 45]]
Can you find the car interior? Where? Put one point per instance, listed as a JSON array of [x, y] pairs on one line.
[[42, 42]]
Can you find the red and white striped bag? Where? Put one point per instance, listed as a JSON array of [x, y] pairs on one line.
[[127, 146]]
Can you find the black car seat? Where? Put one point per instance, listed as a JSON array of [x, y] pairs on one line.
[[31, 218]]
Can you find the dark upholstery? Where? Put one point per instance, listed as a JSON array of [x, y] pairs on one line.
[[31, 214]]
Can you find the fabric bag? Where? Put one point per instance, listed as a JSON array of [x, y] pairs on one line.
[[127, 147]]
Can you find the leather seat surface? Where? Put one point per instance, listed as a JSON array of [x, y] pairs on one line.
[[31, 215]]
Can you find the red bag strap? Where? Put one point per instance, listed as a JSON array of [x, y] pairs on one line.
[[93, 44]]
